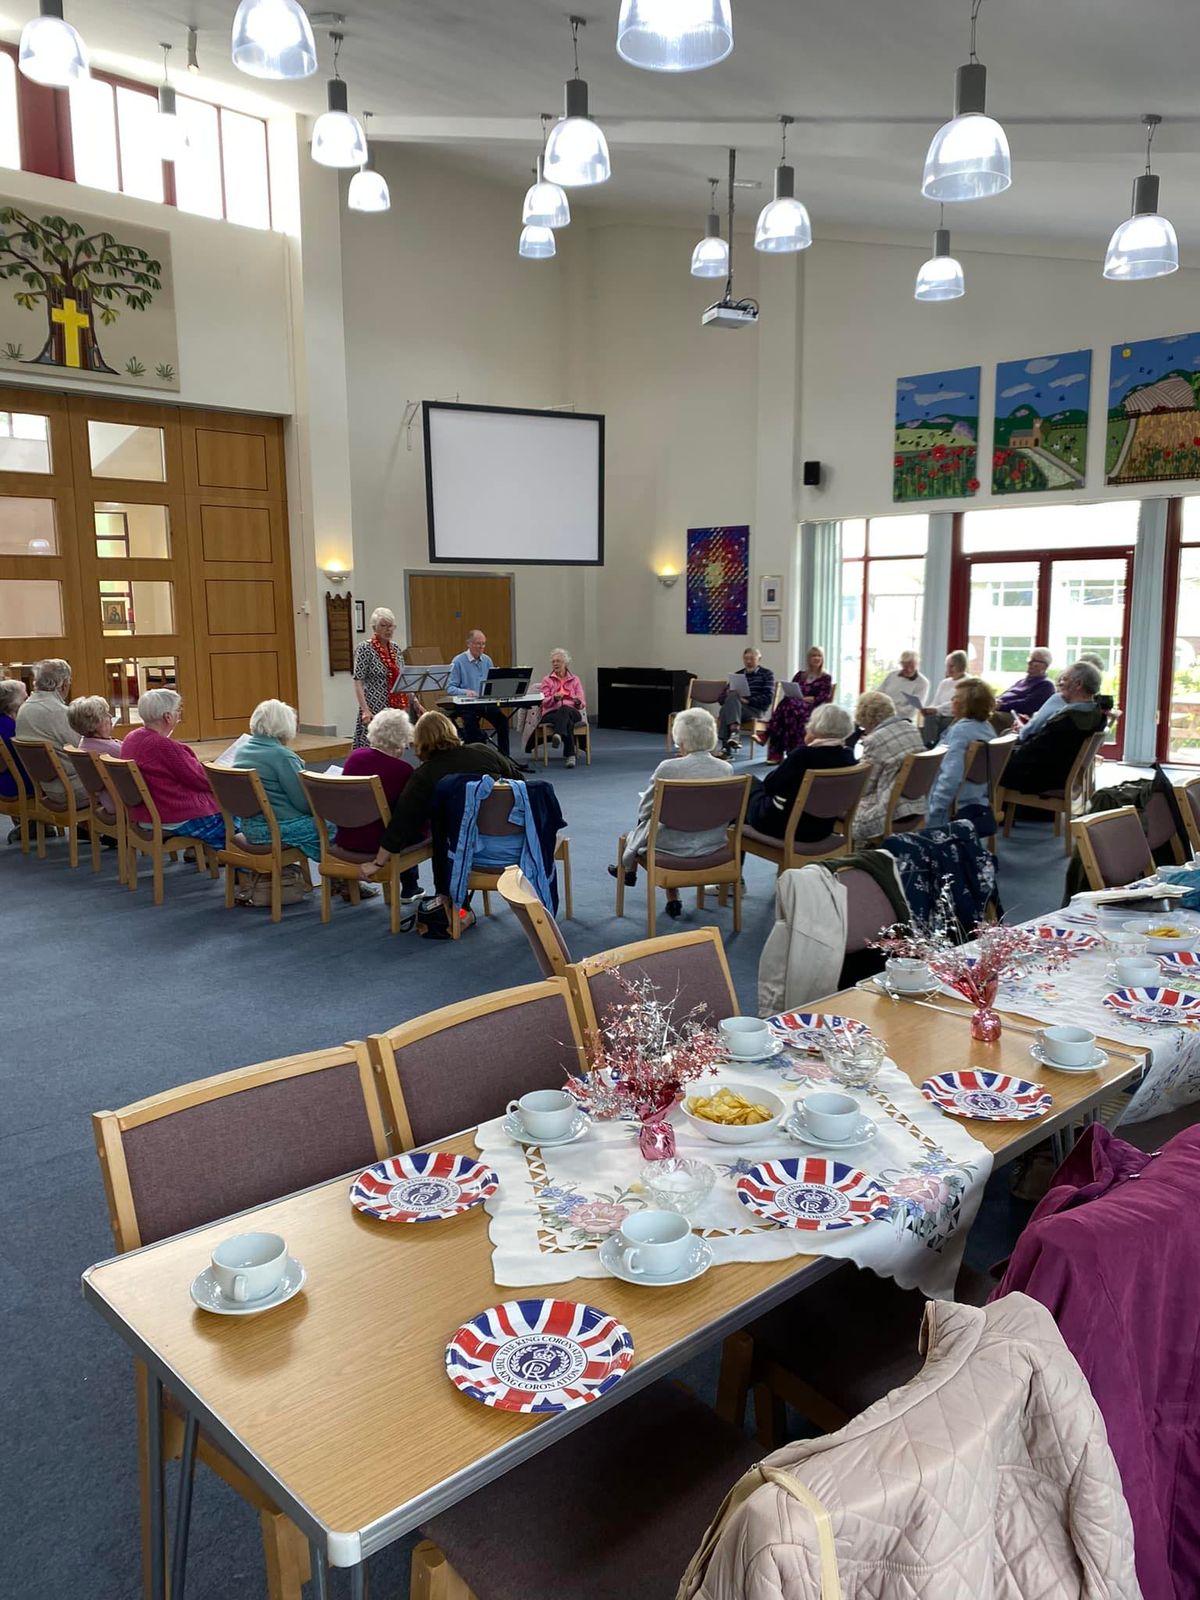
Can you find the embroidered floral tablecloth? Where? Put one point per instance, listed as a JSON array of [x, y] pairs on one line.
[[554, 1206]]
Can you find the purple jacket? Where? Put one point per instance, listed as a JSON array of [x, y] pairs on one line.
[[1027, 695], [1113, 1252]]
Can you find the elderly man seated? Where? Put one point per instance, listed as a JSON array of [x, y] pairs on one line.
[[1042, 760], [735, 708], [44, 717], [907, 687], [1030, 693]]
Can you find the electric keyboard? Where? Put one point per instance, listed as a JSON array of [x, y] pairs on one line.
[[514, 703]]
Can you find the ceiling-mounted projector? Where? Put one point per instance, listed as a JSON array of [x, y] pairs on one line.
[[730, 314]]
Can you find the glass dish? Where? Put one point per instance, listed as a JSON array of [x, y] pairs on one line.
[[855, 1063], [680, 1184]]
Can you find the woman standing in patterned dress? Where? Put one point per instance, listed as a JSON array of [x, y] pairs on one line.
[[377, 668], [785, 731]]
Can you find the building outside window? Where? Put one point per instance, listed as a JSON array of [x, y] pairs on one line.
[[883, 587]]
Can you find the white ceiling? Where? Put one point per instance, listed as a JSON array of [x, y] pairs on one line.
[[868, 81]]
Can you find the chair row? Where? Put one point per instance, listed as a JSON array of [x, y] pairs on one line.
[[1118, 847]]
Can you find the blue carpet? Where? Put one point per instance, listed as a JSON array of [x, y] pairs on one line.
[[110, 999]]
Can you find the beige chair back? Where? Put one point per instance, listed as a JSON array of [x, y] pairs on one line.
[[1112, 846], [537, 921], [689, 968]]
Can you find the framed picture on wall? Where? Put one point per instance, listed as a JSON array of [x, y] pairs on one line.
[[360, 616], [770, 629], [770, 594]]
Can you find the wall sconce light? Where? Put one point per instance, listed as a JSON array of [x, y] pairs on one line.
[[337, 572], [668, 577]]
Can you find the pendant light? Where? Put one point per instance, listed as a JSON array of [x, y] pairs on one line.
[[546, 204], [274, 39], [576, 151], [193, 59], [172, 137], [783, 223], [710, 258], [941, 278], [674, 35], [338, 139], [368, 188], [968, 158], [51, 52], [1145, 246], [536, 243]]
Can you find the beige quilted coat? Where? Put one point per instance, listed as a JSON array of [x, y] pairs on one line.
[[988, 1477]]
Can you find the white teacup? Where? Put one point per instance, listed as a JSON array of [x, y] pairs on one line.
[[907, 975], [655, 1242], [249, 1266], [545, 1113], [1137, 971], [745, 1036], [831, 1115], [1070, 1047]]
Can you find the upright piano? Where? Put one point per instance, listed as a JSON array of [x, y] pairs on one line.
[[639, 698]]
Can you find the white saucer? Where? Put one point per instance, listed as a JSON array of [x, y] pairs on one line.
[[769, 1054], [1098, 1061], [797, 1127], [696, 1265], [208, 1296], [514, 1129], [896, 993]]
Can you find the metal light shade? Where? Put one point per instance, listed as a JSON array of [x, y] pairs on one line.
[[1145, 246], [546, 204], [338, 139], [576, 151], [968, 158], [710, 258], [51, 52], [172, 140], [783, 223], [536, 243], [674, 35], [368, 189], [273, 39], [941, 278]]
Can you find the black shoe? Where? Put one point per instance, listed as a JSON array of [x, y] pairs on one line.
[[674, 908], [630, 875], [524, 766]]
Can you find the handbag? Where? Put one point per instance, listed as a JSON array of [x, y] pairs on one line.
[[433, 920], [254, 889]]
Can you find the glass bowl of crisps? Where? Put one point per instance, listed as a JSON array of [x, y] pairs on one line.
[[854, 1062], [679, 1184], [732, 1113]]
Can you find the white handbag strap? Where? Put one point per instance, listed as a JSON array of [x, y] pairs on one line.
[[747, 1484]]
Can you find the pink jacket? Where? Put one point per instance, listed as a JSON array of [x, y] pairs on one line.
[[987, 1476], [557, 692], [177, 782]]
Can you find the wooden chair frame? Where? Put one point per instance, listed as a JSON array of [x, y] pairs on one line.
[[1189, 817], [383, 1047], [284, 1546], [160, 845], [1081, 828], [543, 735], [235, 859], [332, 868], [580, 972], [514, 887], [785, 853], [686, 706], [98, 825], [897, 792], [42, 813], [1078, 786], [24, 805], [698, 878]]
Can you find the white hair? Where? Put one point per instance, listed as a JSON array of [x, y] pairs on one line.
[[156, 704], [1042, 653], [1086, 676], [831, 722], [9, 697], [909, 655], [559, 651], [51, 674], [391, 731], [381, 614], [272, 719], [87, 714], [694, 729]]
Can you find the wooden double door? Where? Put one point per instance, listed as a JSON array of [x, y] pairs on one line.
[[443, 609], [148, 545]]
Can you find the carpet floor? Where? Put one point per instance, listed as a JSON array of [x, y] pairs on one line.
[[111, 999]]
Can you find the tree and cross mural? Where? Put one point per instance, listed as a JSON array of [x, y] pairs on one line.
[[100, 293]]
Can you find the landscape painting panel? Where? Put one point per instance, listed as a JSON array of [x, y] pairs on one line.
[[1041, 429], [937, 431], [1153, 421], [718, 579]]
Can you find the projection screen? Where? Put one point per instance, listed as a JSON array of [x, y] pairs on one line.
[[514, 486]]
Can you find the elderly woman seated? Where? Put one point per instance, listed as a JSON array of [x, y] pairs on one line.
[[695, 734], [91, 717], [888, 737], [563, 707], [771, 798], [389, 740], [13, 695], [272, 728], [178, 784], [972, 706]]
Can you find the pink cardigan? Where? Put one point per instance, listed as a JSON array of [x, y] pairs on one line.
[[177, 782], [556, 692]]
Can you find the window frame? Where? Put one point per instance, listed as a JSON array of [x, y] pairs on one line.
[[865, 561]]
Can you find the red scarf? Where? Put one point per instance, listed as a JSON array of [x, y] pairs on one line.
[[387, 655]]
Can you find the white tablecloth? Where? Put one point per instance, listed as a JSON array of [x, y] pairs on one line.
[[549, 1199]]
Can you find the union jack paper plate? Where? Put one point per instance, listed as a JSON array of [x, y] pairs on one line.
[[1185, 962], [422, 1186], [805, 1030], [1163, 1006], [1072, 937], [987, 1096], [539, 1355], [812, 1193]]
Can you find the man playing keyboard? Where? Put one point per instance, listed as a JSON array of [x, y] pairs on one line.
[[468, 674]]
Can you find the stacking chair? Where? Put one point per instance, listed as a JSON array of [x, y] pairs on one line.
[[355, 803], [102, 822], [493, 821], [43, 767], [1161, 828], [276, 1128], [689, 968], [691, 805], [128, 788], [868, 909], [913, 781], [1188, 796], [984, 761], [1061, 803], [542, 931], [700, 692], [543, 736], [459, 1066], [832, 795], [240, 793], [24, 804], [1113, 848]]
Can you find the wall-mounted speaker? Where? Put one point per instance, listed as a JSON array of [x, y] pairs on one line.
[[812, 474]]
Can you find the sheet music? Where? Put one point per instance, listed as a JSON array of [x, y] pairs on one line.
[[737, 682], [792, 690], [225, 759]]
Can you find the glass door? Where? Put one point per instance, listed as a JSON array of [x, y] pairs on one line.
[[1089, 615], [1002, 619]]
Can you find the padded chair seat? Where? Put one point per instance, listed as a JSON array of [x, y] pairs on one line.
[[614, 1511], [801, 846], [354, 857], [761, 838], [715, 858]]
